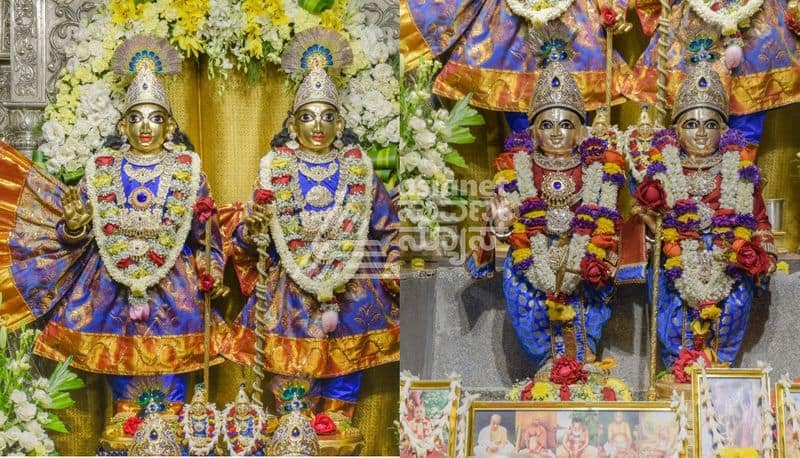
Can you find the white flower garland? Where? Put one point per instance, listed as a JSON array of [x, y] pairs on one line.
[[727, 17], [355, 207], [421, 447], [678, 402], [539, 12], [106, 212], [717, 284], [541, 273], [463, 414], [673, 180], [211, 441]]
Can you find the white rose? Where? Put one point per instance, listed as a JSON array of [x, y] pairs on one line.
[[43, 418], [439, 126], [95, 97], [426, 139], [383, 72], [82, 53], [2, 441], [53, 132], [28, 441], [25, 411], [3, 419], [42, 398], [35, 428], [12, 435], [416, 124], [18, 397], [49, 446]]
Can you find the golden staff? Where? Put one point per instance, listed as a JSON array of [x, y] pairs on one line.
[[262, 243], [207, 312], [661, 94], [609, 69], [651, 391]]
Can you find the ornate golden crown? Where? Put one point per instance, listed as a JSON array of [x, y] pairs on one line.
[[294, 436], [702, 88], [145, 57], [556, 88], [315, 50], [155, 437]]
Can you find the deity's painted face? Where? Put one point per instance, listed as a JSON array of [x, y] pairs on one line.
[[146, 126], [557, 131], [316, 125], [699, 131]]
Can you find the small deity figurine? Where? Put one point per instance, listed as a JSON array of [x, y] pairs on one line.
[[750, 43], [245, 426], [116, 267], [325, 231], [700, 192], [556, 206], [497, 49], [201, 424]]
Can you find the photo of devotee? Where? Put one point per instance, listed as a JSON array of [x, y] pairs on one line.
[[425, 409], [735, 401], [536, 435], [495, 433]]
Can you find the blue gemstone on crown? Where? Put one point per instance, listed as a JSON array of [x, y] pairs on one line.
[[557, 185], [295, 432], [703, 83], [145, 86], [556, 82], [142, 197]]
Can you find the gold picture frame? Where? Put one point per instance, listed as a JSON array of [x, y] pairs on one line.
[[551, 423], [450, 387], [736, 390], [781, 393]]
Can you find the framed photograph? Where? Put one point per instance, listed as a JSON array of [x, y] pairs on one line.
[[788, 443], [737, 399], [568, 429], [428, 418]]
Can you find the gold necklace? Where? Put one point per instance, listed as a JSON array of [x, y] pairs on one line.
[[319, 173], [317, 158]]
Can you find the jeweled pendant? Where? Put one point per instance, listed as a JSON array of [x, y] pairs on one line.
[[319, 196]]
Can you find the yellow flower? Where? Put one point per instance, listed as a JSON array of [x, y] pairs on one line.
[[279, 163], [541, 391], [354, 207], [117, 248], [700, 328], [520, 255], [254, 47], [782, 267], [604, 226], [711, 313], [742, 233], [558, 311], [347, 246], [358, 170], [535, 214], [616, 384], [670, 234], [611, 168], [596, 250], [113, 211], [518, 227], [688, 217], [332, 18], [284, 194], [141, 272], [732, 257], [182, 175], [123, 10], [303, 259], [177, 210], [745, 163], [103, 179], [507, 176], [165, 240], [588, 393], [673, 262], [737, 452], [291, 227]]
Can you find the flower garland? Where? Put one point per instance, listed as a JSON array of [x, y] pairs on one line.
[[571, 380], [140, 260], [421, 446], [678, 402], [703, 283], [207, 443], [595, 223], [234, 34], [539, 12], [792, 412], [248, 442], [729, 15], [320, 266]]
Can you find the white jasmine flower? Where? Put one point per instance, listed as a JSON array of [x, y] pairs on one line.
[[426, 139], [28, 441], [12, 435], [18, 397], [25, 411], [53, 132]]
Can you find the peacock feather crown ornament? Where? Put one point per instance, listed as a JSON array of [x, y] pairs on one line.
[[311, 53], [294, 435], [146, 57], [154, 437], [702, 87]]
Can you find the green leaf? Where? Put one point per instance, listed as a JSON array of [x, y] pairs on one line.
[[254, 68], [661, 374], [454, 158], [55, 424]]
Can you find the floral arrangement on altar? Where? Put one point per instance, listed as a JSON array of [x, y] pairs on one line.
[[27, 400], [235, 34], [426, 150], [569, 380], [734, 255]]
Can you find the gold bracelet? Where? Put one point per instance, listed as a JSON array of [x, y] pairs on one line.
[[71, 237]]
